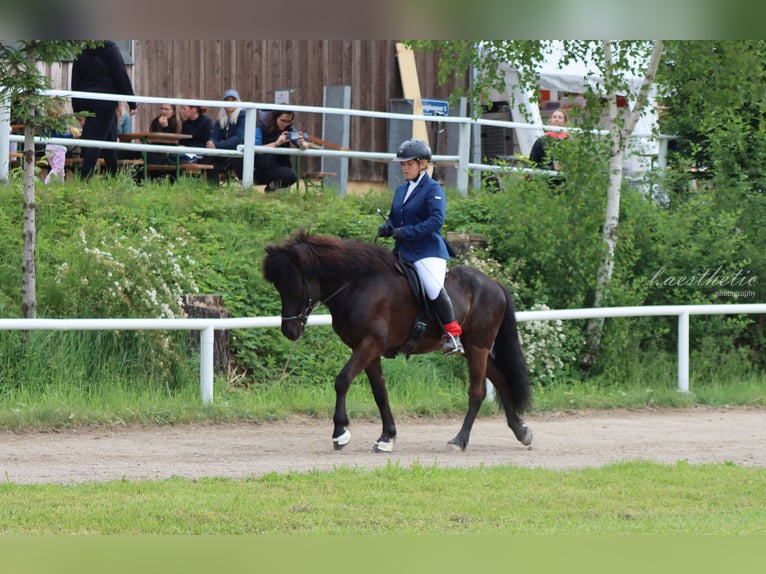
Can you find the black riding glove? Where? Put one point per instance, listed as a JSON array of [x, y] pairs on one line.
[[397, 233], [386, 230]]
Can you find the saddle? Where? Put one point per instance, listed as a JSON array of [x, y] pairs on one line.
[[425, 312]]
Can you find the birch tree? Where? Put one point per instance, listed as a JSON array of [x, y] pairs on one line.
[[22, 81], [617, 63]]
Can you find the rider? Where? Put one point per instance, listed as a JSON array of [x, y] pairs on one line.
[[415, 221]]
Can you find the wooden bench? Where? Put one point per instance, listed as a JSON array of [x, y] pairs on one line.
[[185, 168], [315, 180], [73, 163]]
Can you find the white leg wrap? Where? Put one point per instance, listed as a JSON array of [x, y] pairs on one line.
[[343, 439], [382, 446]]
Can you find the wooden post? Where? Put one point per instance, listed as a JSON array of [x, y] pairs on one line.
[[207, 307]]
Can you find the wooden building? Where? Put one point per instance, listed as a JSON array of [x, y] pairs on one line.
[[259, 68]]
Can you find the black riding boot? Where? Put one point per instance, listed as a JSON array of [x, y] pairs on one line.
[[451, 343]]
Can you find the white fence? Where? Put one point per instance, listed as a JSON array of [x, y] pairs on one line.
[[249, 149], [207, 328]]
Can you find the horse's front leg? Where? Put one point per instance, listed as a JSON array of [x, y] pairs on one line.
[[378, 385], [359, 360], [477, 391]]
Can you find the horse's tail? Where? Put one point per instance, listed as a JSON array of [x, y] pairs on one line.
[[509, 357]]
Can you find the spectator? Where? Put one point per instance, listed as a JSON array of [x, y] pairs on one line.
[[100, 70], [124, 120], [167, 122], [542, 154], [228, 132], [55, 154], [275, 129], [199, 127]]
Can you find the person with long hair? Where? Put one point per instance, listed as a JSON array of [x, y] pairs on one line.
[[228, 132], [275, 129], [167, 121]]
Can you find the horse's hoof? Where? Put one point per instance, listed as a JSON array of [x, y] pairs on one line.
[[458, 442], [342, 440], [383, 446], [526, 440]]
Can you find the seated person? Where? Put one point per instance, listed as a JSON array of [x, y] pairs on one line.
[[167, 122], [275, 129], [228, 132], [199, 127], [56, 153]]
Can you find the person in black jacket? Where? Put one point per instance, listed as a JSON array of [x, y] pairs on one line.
[[100, 70], [275, 129], [197, 125], [543, 153], [167, 122]]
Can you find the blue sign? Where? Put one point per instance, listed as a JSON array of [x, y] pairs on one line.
[[435, 107]]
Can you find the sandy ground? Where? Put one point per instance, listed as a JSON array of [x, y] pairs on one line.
[[562, 441]]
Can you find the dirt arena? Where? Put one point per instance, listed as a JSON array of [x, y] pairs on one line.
[[562, 441]]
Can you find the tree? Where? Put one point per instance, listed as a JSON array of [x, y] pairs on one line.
[[22, 83], [616, 62], [714, 95]]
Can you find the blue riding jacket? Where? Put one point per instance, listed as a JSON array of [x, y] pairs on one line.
[[420, 220]]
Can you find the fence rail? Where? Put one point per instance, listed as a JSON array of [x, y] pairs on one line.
[[207, 328], [249, 149]]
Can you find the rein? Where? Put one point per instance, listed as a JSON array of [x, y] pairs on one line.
[[304, 316]]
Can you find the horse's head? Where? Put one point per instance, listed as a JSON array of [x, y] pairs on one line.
[[280, 269]]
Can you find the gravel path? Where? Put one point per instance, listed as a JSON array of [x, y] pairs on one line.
[[562, 441]]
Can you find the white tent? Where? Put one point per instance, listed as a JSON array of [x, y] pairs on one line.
[[573, 78]]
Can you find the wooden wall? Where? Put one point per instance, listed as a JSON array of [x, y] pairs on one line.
[[256, 68]]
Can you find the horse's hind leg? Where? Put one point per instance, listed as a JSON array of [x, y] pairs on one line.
[[477, 391], [378, 385], [520, 430]]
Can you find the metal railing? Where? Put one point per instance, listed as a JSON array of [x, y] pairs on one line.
[[248, 150], [207, 328]]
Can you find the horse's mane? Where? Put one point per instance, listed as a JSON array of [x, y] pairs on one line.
[[325, 256]]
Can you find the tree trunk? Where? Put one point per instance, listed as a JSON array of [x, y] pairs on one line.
[[619, 141], [28, 264]]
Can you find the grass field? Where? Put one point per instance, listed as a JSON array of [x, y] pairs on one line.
[[630, 498]]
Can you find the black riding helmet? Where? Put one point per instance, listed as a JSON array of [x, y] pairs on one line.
[[413, 149]]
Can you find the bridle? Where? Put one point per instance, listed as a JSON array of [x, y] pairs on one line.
[[309, 304]]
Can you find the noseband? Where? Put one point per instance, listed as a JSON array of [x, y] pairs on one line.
[[309, 304]]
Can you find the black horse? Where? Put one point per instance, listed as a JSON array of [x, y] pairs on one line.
[[373, 312]]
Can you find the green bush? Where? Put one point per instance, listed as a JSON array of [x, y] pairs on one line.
[[117, 250]]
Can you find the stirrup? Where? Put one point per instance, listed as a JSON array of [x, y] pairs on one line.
[[452, 345]]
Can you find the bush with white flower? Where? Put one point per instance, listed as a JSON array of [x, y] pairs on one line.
[[124, 275], [546, 347]]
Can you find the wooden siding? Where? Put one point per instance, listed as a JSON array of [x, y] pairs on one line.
[[256, 68]]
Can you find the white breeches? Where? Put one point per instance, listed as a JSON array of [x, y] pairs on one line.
[[432, 271]]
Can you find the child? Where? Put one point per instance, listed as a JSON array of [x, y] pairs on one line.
[[56, 153]]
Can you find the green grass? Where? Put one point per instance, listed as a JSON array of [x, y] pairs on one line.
[[629, 498], [417, 387]]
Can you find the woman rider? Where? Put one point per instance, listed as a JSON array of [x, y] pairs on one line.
[[415, 222]]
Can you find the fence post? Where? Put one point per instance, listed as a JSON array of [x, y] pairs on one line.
[[248, 159], [464, 150], [683, 352], [206, 346], [5, 132]]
